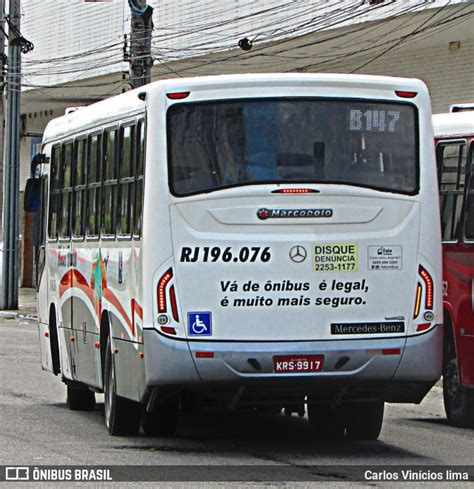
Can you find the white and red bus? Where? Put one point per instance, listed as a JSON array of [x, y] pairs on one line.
[[454, 136], [268, 241]]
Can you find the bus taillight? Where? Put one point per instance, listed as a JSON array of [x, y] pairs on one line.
[[174, 306], [429, 292], [423, 327], [405, 94], [161, 290], [177, 95], [428, 287], [295, 191], [417, 301]]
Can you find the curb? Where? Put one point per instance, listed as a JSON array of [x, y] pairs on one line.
[[18, 315]]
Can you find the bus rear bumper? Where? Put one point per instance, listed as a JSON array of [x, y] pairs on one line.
[[392, 369]]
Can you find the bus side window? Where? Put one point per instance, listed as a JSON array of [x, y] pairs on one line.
[[110, 183], [42, 212], [66, 190], [54, 193], [140, 159], [79, 199], [94, 186], [452, 169], [127, 180], [469, 227]]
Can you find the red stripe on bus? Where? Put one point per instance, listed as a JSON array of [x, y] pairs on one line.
[[112, 298], [75, 279]]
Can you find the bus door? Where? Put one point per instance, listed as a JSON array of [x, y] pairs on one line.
[[64, 255], [457, 221], [42, 280], [85, 214], [465, 354]]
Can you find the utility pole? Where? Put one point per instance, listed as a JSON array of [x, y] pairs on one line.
[[3, 64], [11, 214], [140, 43]]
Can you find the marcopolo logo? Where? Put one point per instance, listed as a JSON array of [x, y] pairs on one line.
[[292, 213]]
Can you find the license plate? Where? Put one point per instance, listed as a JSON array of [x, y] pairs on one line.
[[290, 364]]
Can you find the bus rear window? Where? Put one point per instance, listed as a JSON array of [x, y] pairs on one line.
[[215, 145]]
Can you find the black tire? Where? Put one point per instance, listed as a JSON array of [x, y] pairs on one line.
[[122, 416], [79, 397], [364, 420], [162, 421], [327, 422], [53, 339], [458, 400]]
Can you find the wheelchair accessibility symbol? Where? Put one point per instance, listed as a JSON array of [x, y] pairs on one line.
[[199, 323]]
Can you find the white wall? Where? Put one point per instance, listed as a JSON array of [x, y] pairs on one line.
[[183, 29], [71, 28], [449, 75]]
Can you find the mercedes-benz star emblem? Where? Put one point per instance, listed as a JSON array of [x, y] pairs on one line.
[[298, 254]]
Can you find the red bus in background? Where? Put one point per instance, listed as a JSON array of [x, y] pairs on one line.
[[454, 138]]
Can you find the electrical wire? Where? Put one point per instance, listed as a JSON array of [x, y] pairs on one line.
[[193, 38], [207, 63]]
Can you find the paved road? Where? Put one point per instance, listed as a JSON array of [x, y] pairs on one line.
[[37, 428]]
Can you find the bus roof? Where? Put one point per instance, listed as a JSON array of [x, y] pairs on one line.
[[453, 124], [461, 107], [128, 103]]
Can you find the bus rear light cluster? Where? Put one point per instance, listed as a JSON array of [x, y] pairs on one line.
[[429, 292], [429, 287], [162, 298], [161, 292]]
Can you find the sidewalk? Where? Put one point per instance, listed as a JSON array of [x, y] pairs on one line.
[[26, 306]]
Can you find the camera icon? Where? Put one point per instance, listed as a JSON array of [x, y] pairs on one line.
[[17, 473]]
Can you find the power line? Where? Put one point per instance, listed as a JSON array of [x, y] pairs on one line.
[[402, 39], [261, 51]]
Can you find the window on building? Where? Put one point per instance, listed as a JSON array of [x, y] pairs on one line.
[[78, 227], [140, 160], [94, 185], [452, 169], [54, 193], [110, 183], [127, 180]]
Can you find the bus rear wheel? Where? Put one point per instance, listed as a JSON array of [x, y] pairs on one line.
[[364, 420], [79, 397], [122, 416], [163, 419], [328, 423], [458, 400]]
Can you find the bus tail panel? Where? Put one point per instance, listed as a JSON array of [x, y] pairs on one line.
[[296, 268]]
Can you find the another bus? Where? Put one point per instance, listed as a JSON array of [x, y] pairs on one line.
[[454, 133], [264, 241]]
